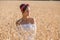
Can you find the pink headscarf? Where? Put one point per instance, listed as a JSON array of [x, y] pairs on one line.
[[24, 6]]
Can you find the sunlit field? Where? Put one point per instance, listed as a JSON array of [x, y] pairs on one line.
[[47, 15]]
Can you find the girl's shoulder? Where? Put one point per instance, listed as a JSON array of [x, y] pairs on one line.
[[32, 20], [18, 22]]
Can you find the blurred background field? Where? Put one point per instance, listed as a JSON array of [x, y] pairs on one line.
[[47, 15]]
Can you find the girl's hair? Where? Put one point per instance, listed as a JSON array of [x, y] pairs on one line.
[[23, 7]]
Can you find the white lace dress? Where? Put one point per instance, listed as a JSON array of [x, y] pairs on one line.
[[27, 31]]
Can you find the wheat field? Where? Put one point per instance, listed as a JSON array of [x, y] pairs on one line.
[[47, 15]]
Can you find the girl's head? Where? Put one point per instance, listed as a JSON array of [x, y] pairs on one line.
[[25, 9]]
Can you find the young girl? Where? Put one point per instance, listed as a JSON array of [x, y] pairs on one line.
[[26, 25]]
